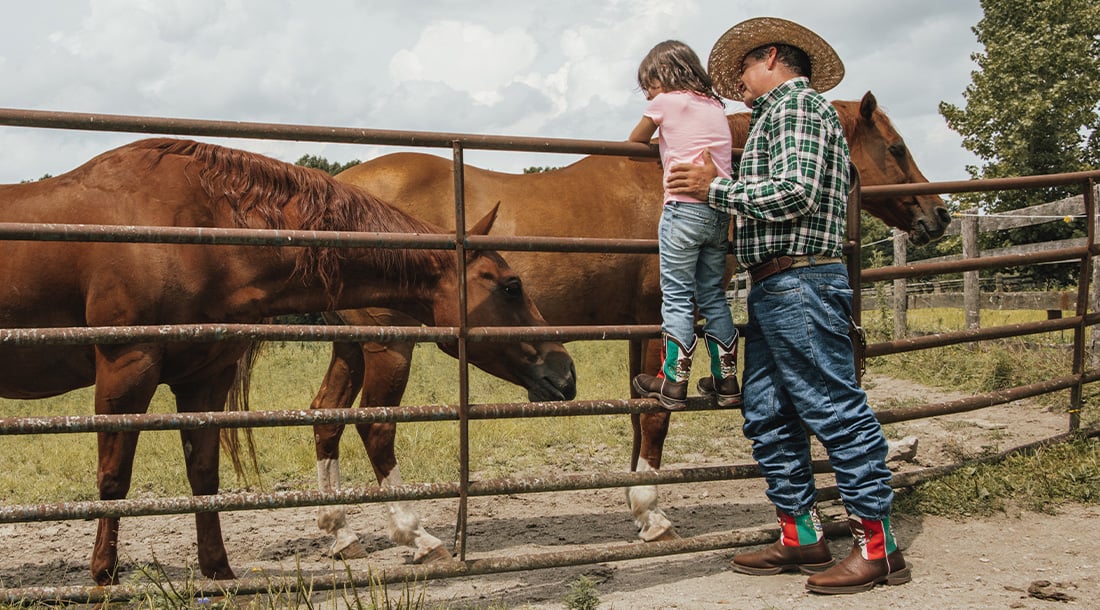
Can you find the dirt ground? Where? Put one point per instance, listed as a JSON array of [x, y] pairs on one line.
[[1016, 560]]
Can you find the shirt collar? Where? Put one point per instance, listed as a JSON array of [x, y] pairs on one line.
[[762, 103]]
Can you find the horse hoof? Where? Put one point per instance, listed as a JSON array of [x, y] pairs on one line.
[[436, 555], [669, 534], [354, 550]]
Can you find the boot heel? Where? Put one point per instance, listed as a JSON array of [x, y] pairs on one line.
[[900, 577], [810, 569]]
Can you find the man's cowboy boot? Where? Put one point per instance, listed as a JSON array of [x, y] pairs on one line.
[[801, 547], [722, 384], [670, 387], [874, 560]]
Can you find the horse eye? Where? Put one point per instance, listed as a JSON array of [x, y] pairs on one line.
[[897, 149], [513, 288]]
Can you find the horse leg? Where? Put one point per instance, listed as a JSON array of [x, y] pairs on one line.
[[389, 375], [650, 430], [338, 391], [200, 453], [126, 379]]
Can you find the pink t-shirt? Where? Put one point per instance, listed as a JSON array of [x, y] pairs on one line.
[[689, 124]]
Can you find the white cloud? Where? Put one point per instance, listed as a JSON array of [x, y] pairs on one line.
[[553, 69], [467, 57]]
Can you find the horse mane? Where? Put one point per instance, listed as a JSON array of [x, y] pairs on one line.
[[266, 193], [849, 117]]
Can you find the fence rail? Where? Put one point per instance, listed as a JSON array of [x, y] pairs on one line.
[[972, 299]]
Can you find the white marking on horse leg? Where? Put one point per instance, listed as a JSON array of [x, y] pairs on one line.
[[405, 525], [653, 524], [333, 519]]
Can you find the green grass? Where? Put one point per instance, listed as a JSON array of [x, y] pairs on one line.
[[1041, 481]]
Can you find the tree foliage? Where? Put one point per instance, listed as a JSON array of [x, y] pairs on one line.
[[1033, 105], [324, 164]]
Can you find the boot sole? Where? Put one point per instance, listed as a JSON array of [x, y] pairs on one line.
[[900, 577], [805, 568], [728, 401], [665, 402], [723, 401]]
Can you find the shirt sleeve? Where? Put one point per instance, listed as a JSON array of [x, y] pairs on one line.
[[655, 109], [722, 195]]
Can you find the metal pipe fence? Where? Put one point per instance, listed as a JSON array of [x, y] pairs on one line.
[[464, 411]]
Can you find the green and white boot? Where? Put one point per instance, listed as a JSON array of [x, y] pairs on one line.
[[670, 385], [722, 384]]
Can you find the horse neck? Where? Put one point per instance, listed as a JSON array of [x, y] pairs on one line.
[[412, 281]]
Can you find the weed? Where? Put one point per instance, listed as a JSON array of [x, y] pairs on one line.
[[582, 594]]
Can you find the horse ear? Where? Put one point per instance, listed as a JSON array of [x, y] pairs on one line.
[[867, 106], [482, 227]]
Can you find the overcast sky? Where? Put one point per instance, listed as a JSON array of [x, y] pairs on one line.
[[553, 68]]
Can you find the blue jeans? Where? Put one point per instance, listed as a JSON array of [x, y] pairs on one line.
[[799, 370], [693, 239]]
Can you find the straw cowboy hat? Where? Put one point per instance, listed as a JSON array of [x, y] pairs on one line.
[[729, 52]]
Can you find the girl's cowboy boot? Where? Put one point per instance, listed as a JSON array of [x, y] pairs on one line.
[[875, 559], [722, 384], [670, 387], [801, 547]]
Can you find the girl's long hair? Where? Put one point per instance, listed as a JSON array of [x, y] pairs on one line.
[[675, 67]]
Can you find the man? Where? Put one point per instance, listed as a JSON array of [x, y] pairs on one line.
[[789, 205]]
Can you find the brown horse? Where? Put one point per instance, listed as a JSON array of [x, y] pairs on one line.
[[168, 182], [598, 196]]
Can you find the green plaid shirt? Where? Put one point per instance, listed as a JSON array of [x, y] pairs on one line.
[[791, 197]]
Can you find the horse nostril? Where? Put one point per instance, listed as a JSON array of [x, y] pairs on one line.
[[945, 216]]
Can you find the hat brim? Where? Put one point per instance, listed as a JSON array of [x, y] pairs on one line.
[[729, 52]]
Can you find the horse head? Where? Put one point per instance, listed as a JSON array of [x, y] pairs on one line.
[[495, 296], [883, 158]]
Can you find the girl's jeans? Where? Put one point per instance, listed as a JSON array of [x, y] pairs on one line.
[[694, 241]]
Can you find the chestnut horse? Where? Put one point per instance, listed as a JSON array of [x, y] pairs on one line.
[[598, 196], [169, 182]]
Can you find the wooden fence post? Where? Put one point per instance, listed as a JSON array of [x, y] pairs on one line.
[[971, 287], [901, 298], [1094, 296]]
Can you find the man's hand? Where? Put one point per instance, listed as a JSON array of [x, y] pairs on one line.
[[693, 180]]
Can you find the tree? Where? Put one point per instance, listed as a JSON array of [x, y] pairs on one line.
[[324, 164], [1033, 106]]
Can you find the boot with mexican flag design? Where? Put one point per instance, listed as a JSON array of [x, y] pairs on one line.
[[875, 559], [801, 548]]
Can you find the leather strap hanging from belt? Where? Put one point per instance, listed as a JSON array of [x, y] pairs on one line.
[[780, 264]]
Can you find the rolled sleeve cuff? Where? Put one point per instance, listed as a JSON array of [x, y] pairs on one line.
[[720, 194]]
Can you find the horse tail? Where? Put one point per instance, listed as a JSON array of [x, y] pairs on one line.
[[238, 401]]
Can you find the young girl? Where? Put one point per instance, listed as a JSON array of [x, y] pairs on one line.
[[693, 238]]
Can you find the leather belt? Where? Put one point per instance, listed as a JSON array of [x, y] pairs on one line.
[[779, 264]]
